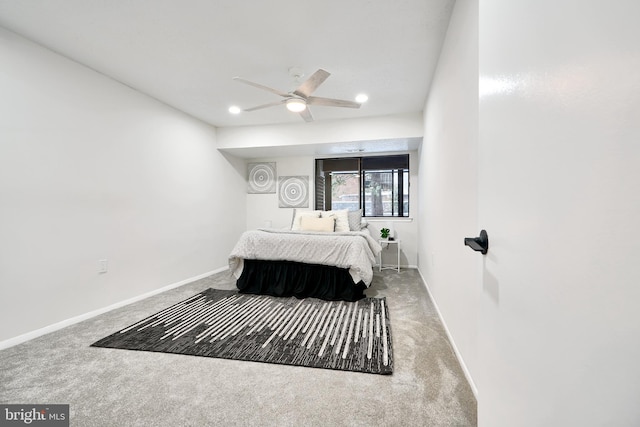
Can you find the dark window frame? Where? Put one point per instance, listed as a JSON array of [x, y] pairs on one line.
[[396, 165]]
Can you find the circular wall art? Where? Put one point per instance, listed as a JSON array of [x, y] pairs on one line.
[[293, 191], [262, 178]]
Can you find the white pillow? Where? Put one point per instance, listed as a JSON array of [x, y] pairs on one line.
[[297, 216], [342, 219], [309, 223]]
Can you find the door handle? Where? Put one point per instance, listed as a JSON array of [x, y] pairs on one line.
[[480, 244]]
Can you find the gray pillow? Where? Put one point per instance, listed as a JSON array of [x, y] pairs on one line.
[[354, 219]]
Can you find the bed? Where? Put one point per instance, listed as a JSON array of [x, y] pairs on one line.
[[320, 256]]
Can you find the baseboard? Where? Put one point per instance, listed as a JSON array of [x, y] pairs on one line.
[[77, 319], [402, 266], [467, 374]]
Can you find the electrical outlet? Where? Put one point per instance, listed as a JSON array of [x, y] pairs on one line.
[[103, 266]]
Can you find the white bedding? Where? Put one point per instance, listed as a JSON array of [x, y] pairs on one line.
[[355, 250]]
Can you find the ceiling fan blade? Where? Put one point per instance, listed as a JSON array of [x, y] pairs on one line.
[[306, 115], [259, 86], [312, 83], [259, 107], [330, 102]]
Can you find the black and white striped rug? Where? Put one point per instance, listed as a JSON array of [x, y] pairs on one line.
[[352, 336]]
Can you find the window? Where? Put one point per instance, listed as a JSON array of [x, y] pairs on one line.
[[379, 185]]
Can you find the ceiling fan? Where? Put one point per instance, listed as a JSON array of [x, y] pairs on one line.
[[300, 98]]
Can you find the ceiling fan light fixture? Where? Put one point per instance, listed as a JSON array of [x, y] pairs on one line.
[[362, 98], [296, 105], [234, 109]]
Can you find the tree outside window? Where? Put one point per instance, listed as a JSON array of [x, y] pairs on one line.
[[378, 185]]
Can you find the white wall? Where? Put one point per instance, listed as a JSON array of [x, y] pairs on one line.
[[448, 184], [89, 170], [264, 207], [559, 152]]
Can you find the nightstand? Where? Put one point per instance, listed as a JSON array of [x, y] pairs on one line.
[[388, 243]]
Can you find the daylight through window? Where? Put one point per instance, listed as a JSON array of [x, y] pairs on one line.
[[378, 185]]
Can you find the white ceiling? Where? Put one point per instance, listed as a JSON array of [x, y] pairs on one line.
[[186, 52]]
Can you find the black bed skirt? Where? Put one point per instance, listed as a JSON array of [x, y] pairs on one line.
[[286, 279]]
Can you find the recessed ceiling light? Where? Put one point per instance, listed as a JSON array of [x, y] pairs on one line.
[[362, 98], [234, 109]]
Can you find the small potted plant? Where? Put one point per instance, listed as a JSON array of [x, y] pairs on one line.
[[384, 233]]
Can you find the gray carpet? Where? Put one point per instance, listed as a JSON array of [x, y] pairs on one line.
[[109, 387]]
